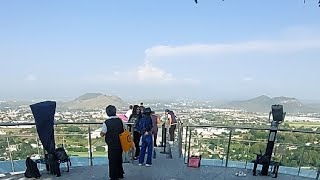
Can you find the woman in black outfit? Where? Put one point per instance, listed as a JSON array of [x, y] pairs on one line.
[[135, 118]]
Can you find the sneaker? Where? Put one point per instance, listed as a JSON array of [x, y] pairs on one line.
[[241, 174], [148, 165], [140, 164]]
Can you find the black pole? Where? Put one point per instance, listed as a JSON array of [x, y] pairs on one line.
[[278, 117], [189, 145], [269, 149], [228, 150], [165, 141], [185, 145], [90, 146], [165, 138]]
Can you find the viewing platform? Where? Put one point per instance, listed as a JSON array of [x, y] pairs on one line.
[[162, 169], [171, 166]]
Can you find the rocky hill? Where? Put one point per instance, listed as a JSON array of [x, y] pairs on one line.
[[264, 103], [94, 101]]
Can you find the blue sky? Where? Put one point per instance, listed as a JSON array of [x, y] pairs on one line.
[[152, 49]]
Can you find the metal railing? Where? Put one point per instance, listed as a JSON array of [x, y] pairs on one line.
[[185, 138], [88, 133], [229, 137]]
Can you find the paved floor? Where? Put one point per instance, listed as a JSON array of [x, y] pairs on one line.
[[169, 171]]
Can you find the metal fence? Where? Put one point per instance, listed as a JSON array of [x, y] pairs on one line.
[[225, 144], [19, 133], [231, 150]]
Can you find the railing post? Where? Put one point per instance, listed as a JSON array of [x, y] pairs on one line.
[[301, 157], [90, 146], [189, 145], [318, 173], [38, 148], [132, 152], [165, 141], [10, 155], [163, 127], [228, 150], [185, 144], [180, 139], [247, 154]]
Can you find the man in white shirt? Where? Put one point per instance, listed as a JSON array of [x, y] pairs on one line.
[[129, 112], [172, 123]]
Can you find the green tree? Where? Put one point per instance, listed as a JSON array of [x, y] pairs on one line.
[[72, 129], [100, 149]]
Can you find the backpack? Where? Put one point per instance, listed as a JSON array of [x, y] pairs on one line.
[[63, 157], [173, 117], [61, 154], [32, 170]]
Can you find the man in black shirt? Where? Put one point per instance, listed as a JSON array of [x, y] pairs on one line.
[[111, 129]]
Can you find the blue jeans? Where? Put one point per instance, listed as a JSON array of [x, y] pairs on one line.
[[146, 143]]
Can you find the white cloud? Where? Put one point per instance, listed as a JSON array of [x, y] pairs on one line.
[[31, 77], [144, 74], [284, 46], [246, 79], [149, 73]]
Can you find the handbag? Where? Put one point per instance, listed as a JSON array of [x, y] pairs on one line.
[[194, 161], [126, 141]]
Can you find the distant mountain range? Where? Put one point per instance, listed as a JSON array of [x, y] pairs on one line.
[[100, 101], [264, 103], [85, 102], [94, 101]]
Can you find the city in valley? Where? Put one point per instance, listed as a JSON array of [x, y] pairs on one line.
[[210, 141]]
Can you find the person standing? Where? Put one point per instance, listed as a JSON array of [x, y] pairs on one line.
[[129, 112], [146, 128], [172, 122], [155, 121], [135, 119], [111, 129], [142, 108]]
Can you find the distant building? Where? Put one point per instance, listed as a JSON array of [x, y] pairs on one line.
[[95, 134]]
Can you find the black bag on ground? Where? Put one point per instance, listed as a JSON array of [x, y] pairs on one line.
[[32, 170], [61, 154]]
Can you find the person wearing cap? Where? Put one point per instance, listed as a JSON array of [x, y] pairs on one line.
[[146, 129]]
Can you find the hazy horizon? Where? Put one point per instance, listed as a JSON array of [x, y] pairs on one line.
[[160, 99], [213, 50]]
